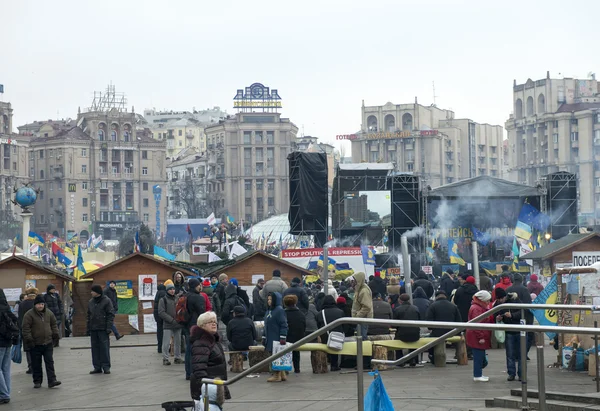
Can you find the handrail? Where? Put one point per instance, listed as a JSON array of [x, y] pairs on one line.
[[457, 329]]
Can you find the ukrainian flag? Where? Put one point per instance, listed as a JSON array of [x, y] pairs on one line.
[[523, 230], [453, 253], [35, 238], [163, 254], [230, 219]]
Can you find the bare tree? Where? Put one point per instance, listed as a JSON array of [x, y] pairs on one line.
[[189, 196]]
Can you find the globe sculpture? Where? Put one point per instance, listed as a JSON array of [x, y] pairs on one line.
[[25, 197]]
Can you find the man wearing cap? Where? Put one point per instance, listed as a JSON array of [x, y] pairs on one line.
[[259, 305], [299, 291], [444, 311], [54, 304], [40, 333], [100, 317], [26, 305], [166, 311]]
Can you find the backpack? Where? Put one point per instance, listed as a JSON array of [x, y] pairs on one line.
[[182, 315], [9, 329]]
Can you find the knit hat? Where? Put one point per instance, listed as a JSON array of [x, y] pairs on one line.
[[500, 293], [233, 281], [170, 287], [533, 277], [377, 273], [168, 282], [518, 277], [340, 300], [440, 292], [238, 309], [222, 276], [39, 299], [50, 287], [470, 279], [193, 283], [483, 296], [97, 289], [296, 280], [450, 271], [206, 283], [404, 297]]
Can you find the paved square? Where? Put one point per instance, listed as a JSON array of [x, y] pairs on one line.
[[139, 381]]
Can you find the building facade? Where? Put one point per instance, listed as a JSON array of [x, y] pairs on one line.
[[100, 176], [427, 141], [186, 176], [555, 126]]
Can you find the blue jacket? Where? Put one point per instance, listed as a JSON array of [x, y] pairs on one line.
[[276, 326]]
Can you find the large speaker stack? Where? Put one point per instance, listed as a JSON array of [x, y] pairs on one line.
[[561, 203], [407, 205], [308, 195]]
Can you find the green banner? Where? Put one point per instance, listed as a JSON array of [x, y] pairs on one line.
[[128, 306]]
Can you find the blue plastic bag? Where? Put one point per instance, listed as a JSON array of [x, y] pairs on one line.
[[283, 363], [15, 353], [377, 399]]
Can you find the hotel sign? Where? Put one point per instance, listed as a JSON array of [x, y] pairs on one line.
[[257, 96], [387, 135]]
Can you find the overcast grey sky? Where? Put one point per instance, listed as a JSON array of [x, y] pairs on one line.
[[323, 56]]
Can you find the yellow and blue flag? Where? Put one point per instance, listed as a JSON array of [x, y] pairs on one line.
[[230, 219], [163, 254], [549, 295], [523, 230], [453, 253], [481, 237], [35, 238]]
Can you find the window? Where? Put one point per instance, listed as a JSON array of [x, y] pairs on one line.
[[555, 124], [51, 202], [51, 218], [14, 149], [41, 153], [84, 185], [144, 154], [248, 202], [270, 137], [555, 137], [41, 194], [259, 185], [575, 136], [179, 133], [247, 135], [51, 185], [145, 202], [258, 137], [144, 171], [42, 219], [574, 121], [247, 185], [84, 152], [271, 185], [259, 154], [14, 165], [60, 185], [145, 186], [146, 217], [271, 201], [83, 169], [60, 201], [84, 202], [41, 174], [180, 143], [50, 153], [410, 167], [84, 217]]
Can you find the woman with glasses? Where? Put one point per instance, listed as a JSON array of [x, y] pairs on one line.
[[208, 358]]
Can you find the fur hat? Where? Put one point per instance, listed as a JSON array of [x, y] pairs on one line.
[[32, 291], [223, 277]]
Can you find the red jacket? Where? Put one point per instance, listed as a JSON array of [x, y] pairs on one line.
[[534, 287], [473, 336], [208, 304], [504, 284]]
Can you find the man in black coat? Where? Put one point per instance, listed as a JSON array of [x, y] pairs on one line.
[[299, 291], [260, 307], [54, 304], [423, 282], [160, 293], [377, 285], [525, 298], [241, 333], [464, 296], [111, 293], [448, 282], [100, 317], [296, 326], [444, 311], [196, 305], [331, 312], [408, 312]]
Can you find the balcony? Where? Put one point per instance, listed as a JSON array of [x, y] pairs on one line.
[[189, 134], [58, 175]]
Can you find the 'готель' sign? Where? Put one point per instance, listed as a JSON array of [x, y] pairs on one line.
[[387, 135]]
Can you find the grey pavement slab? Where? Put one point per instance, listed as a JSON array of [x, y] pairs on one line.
[[139, 381]]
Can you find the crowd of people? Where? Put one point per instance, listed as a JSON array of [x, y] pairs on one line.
[[200, 319]]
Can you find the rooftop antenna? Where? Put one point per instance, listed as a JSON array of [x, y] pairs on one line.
[[434, 96]]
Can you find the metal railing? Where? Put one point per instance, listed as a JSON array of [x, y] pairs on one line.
[[456, 328]]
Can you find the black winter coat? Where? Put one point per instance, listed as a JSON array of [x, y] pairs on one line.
[[463, 299], [244, 296], [302, 295], [208, 359], [54, 304], [6, 314], [160, 293], [382, 310], [100, 314], [112, 295], [332, 313], [524, 297], [442, 310], [260, 306], [232, 300], [426, 285], [196, 305], [377, 286], [296, 324], [421, 301], [410, 313], [448, 285], [241, 332], [25, 306]]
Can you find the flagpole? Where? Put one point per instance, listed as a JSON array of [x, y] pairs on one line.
[[475, 263]]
